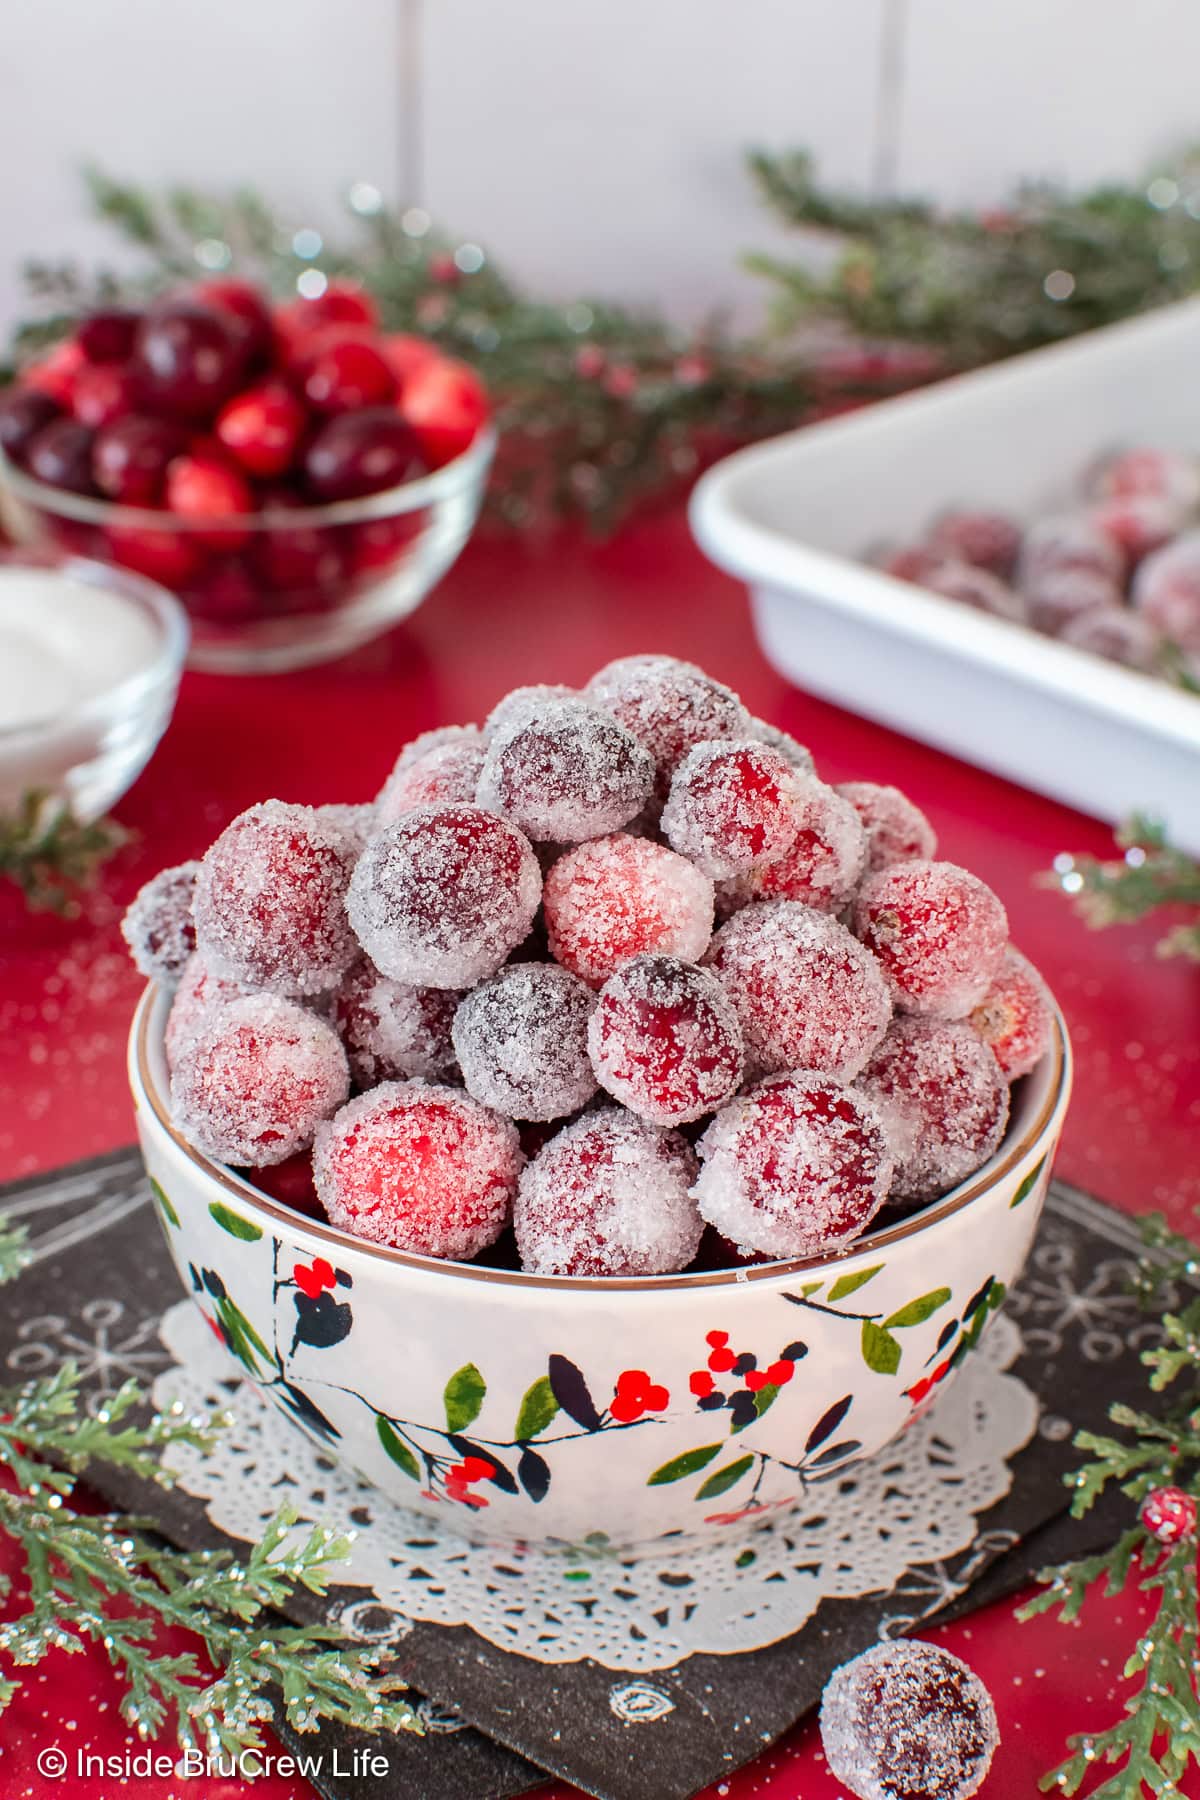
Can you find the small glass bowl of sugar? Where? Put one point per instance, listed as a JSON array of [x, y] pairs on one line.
[[90, 660]]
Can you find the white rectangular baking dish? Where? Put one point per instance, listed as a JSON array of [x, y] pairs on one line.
[[792, 518]]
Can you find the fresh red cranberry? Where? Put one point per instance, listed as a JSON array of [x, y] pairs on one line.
[[60, 454], [241, 302], [377, 543], [189, 359], [169, 557], [102, 393], [262, 427], [55, 373], [23, 413], [199, 486], [445, 402], [347, 375], [405, 353], [361, 453], [224, 592], [342, 303], [303, 557], [107, 336], [130, 457]]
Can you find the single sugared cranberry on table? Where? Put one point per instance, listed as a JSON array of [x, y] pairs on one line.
[[261, 428], [130, 458], [807, 994], [393, 1032], [361, 453], [107, 335], [446, 404], [618, 897], [665, 1040], [188, 359], [23, 413], [608, 1195], [1119, 634], [988, 540], [270, 905], [169, 557], [1166, 591], [669, 706], [566, 772], [897, 830], [440, 898], [522, 1041], [908, 1719], [439, 768], [938, 932], [101, 393], [54, 373], [60, 454], [734, 806], [205, 487], [422, 1167], [797, 1166], [255, 1079], [943, 1098], [245, 307], [1016, 1016], [198, 992], [158, 924], [822, 864]]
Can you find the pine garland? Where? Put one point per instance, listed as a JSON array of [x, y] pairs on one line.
[[1147, 878], [110, 1578], [1157, 1737]]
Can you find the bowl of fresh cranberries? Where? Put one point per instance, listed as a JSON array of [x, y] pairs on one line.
[[298, 477], [609, 1127]]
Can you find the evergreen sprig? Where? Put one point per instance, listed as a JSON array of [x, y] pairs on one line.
[[1157, 1738], [51, 855], [111, 1579], [1149, 876]]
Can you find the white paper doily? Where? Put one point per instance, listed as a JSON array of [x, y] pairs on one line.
[[912, 1506]]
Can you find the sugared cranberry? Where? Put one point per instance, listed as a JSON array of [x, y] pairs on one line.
[[978, 589], [938, 933], [669, 706], [565, 772], [446, 403], [988, 540], [665, 1041], [1016, 1016], [907, 1719], [60, 454], [198, 992], [203, 487], [824, 859], [188, 359], [270, 905], [393, 1032], [439, 768], [608, 1195], [733, 807], [361, 453], [422, 1167], [943, 1100], [797, 1166], [522, 1041], [619, 897], [1166, 591], [346, 374], [130, 457], [158, 924], [23, 413], [261, 428], [897, 830], [107, 336]]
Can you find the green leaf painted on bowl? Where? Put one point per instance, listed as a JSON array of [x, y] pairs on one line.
[[538, 1407], [880, 1350], [690, 1462], [849, 1284], [244, 1341], [766, 1396], [917, 1311], [723, 1479], [164, 1202], [463, 1397], [1027, 1186], [236, 1227], [396, 1448]]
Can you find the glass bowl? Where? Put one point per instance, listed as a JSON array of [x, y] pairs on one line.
[[276, 589], [89, 747]]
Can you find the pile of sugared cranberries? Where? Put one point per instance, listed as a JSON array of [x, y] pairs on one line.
[[1119, 574], [614, 967], [213, 403]]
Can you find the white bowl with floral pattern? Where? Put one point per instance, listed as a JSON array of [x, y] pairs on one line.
[[521, 1407]]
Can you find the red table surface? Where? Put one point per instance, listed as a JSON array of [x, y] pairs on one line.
[[515, 612]]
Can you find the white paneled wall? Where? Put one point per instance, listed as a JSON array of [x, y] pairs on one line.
[[596, 147]]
